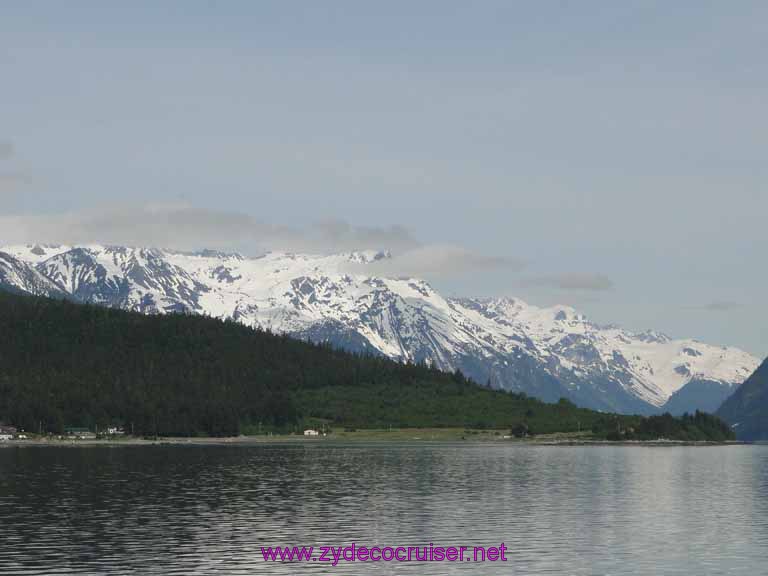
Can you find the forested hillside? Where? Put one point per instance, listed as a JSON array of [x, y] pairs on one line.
[[64, 364]]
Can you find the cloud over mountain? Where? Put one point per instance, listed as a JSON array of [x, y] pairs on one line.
[[182, 227]]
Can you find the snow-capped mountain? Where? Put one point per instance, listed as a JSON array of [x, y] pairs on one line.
[[545, 352], [23, 277]]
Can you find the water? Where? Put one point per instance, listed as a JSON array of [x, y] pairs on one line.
[[208, 510]]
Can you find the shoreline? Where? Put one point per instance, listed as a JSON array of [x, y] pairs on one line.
[[372, 436]]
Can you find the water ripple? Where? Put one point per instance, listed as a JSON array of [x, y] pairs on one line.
[[208, 510]]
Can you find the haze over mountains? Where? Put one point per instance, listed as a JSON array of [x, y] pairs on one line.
[[348, 300]]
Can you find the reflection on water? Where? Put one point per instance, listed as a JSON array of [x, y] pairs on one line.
[[208, 510]]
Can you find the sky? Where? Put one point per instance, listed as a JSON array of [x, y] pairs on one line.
[[612, 156]]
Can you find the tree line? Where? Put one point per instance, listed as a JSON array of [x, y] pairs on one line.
[[64, 364]]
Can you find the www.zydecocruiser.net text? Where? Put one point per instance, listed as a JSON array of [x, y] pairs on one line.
[[334, 555]]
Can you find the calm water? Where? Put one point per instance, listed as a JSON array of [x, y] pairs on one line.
[[208, 510]]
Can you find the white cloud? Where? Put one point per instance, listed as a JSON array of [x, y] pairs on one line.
[[185, 228], [437, 261]]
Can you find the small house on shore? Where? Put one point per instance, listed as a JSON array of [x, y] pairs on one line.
[[311, 433], [7, 432], [80, 433]]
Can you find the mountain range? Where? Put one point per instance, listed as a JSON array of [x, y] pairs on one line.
[[349, 301]]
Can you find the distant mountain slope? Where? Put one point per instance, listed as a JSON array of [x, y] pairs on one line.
[[19, 276], [747, 409], [346, 300]]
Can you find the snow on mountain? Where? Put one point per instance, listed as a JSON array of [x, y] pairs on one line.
[[649, 365], [546, 352], [22, 276], [135, 279], [35, 253]]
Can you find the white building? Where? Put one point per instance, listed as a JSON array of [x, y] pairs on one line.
[[311, 433], [6, 437]]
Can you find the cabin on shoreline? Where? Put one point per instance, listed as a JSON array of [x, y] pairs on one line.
[[79, 433], [7, 432]]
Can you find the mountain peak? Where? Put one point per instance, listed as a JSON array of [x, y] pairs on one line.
[[368, 256], [222, 255], [653, 336]]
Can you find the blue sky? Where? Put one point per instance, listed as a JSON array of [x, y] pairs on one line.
[[607, 155]]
